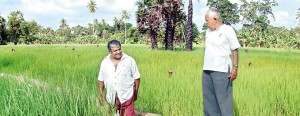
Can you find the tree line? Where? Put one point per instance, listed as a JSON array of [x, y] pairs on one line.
[[166, 19], [19, 31], [159, 22]]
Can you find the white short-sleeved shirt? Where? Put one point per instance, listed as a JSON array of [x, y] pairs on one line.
[[121, 80], [218, 47]]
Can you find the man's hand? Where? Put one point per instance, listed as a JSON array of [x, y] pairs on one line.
[[135, 95], [100, 88], [102, 98], [233, 74], [136, 88]]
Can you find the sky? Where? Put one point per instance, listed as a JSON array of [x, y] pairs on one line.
[[48, 13]]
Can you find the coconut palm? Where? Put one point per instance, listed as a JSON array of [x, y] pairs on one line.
[[167, 13], [95, 28], [125, 16], [189, 38], [64, 31], [117, 24], [78, 30], [63, 24], [149, 19], [104, 31], [92, 8], [174, 16]]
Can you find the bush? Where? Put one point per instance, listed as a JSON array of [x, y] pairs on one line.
[[133, 40]]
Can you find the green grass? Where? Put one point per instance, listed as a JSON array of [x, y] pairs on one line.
[[269, 86]]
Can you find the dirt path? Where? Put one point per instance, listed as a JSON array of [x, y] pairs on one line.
[[32, 82], [140, 113]]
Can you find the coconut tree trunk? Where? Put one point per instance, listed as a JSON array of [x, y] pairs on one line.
[[15, 38], [153, 36], [189, 39], [169, 35], [125, 34]]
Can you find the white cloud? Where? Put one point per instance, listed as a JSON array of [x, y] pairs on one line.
[[118, 5], [281, 17], [72, 3], [53, 6], [3, 15], [202, 1], [199, 17]]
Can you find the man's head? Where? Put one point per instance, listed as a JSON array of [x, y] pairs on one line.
[[114, 47], [213, 18]]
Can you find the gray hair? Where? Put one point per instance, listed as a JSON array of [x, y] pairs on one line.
[[113, 43], [214, 13]]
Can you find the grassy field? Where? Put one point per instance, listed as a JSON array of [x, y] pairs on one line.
[[62, 80]]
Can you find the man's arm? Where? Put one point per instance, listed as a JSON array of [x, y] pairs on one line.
[[234, 72], [136, 88], [101, 87]]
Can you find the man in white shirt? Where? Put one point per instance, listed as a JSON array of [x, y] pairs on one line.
[[218, 73], [120, 76]]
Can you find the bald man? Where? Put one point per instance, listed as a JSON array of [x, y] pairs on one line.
[[218, 72]]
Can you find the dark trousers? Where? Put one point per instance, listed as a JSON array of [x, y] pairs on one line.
[[217, 93]]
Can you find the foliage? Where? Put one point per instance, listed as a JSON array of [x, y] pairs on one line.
[[274, 37], [255, 14], [149, 19], [2, 30], [180, 35], [152, 15], [255, 19], [173, 15], [64, 31], [2, 24], [228, 10], [29, 31], [15, 19], [117, 24]]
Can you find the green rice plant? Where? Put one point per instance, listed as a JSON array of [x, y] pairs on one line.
[[267, 82], [26, 98]]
